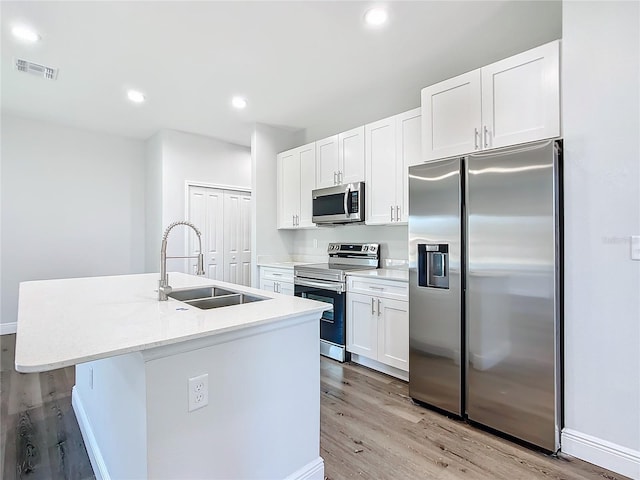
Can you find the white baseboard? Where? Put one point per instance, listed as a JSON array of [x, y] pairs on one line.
[[617, 458], [311, 471], [95, 456], [8, 328]]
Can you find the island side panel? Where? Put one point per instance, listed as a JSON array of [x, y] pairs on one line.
[[109, 400], [263, 416]]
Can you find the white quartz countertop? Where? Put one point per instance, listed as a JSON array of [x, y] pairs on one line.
[[400, 275], [281, 264], [71, 321]]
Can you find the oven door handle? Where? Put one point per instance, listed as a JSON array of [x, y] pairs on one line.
[[334, 287]]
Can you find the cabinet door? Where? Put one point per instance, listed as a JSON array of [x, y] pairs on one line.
[[327, 162], [362, 325], [286, 288], [351, 154], [268, 285], [521, 97], [393, 333], [206, 212], [380, 157], [237, 238], [288, 188], [409, 146], [307, 182], [451, 116]]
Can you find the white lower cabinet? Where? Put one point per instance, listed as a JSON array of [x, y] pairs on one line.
[[378, 321], [277, 280]]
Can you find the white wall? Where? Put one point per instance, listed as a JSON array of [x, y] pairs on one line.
[[601, 100], [187, 157], [72, 205], [153, 203], [266, 143], [392, 239]]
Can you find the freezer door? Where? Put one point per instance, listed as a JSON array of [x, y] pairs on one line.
[[511, 310], [435, 331]]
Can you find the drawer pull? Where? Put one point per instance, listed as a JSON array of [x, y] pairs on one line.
[[375, 288]]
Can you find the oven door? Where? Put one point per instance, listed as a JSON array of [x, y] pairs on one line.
[[332, 322]]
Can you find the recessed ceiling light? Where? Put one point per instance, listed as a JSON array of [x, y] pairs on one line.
[[376, 17], [239, 102], [135, 96], [25, 34]]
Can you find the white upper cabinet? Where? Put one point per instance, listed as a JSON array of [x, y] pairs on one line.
[[381, 170], [296, 180], [340, 158], [392, 145], [451, 116], [351, 154], [307, 156], [512, 101], [327, 162], [409, 146], [521, 97]]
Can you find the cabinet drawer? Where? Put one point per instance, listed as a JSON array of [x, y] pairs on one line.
[[379, 288], [276, 274]]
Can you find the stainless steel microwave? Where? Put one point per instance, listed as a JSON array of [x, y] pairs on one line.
[[340, 204]]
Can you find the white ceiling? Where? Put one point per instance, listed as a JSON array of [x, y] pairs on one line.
[[300, 64]]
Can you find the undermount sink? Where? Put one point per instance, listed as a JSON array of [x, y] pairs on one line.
[[199, 292], [206, 298]]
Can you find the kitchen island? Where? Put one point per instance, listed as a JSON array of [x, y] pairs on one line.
[[135, 355]]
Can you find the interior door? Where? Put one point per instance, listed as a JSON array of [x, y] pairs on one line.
[[206, 212], [237, 238]]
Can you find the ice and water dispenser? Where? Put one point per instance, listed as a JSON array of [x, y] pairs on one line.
[[433, 265]]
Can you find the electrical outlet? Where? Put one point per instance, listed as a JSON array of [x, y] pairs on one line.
[[198, 392]]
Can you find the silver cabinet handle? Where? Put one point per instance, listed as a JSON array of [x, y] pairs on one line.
[[475, 138], [339, 177], [335, 178], [486, 137], [392, 213], [397, 213], [378, 307], [372, 306], [297, 220], [375, 288]]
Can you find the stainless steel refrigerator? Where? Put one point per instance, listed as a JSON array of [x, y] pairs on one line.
[[484, 289]]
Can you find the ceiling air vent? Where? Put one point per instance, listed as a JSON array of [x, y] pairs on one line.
[[36, 69]]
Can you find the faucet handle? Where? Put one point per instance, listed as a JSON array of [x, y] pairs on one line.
[[200, 269]]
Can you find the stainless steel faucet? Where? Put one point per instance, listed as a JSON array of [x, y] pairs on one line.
[[163, 288]]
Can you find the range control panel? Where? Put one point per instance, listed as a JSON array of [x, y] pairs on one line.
[[354, 248]]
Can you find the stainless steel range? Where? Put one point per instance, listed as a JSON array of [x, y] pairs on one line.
[[327, 282]]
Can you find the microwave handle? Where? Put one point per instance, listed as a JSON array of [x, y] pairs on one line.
[[346, 201]]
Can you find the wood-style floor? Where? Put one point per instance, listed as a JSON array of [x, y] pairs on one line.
[[370, 429]]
